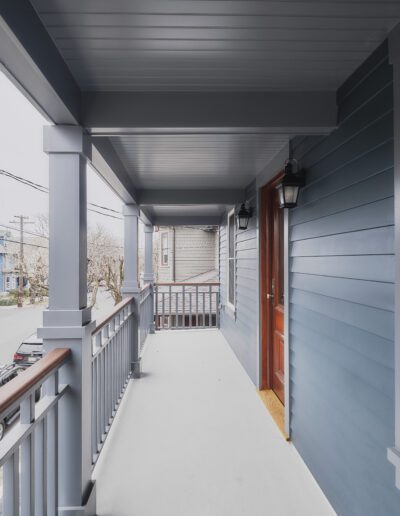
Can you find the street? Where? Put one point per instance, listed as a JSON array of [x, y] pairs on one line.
[[17, 324]]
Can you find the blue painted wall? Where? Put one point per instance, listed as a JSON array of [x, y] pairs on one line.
[[240, 329], [342, 299]]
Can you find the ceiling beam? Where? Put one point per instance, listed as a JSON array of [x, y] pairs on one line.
[[32, 61], [277, 112], [108, 164], [190, 197], [187, 220]]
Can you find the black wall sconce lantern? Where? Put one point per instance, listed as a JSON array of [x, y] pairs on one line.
[[243, 216], [289, 187]]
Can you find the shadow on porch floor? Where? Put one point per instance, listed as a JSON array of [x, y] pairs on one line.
[[192, 438]]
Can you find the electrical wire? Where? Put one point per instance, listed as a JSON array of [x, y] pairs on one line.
[[25, 231], [44, 189], [26, 243]]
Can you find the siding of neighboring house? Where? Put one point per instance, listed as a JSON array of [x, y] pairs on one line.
[[195, 253], [2, 285], [342, 299], [240, 329]]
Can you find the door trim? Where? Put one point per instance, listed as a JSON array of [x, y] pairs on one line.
[[265, 320]]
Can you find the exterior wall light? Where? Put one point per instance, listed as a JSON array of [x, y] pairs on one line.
[[289, 187], [243, 216]]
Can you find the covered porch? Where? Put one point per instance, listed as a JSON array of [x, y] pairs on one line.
[[193, 437], [186, 115]]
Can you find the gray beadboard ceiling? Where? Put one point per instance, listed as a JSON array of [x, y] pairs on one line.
[[206, 46], [196, 161], [161, 45]]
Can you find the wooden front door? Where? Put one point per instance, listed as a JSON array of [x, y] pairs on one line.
[[272, 290]]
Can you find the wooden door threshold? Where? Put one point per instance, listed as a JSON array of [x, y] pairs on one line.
[[275, 408]]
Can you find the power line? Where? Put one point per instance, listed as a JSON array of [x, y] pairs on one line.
[[44, 189], [27, 232], [25, 243], [105, 214]]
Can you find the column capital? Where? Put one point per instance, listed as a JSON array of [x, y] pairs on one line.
[[131, 210], [147, 228], [66, 139]]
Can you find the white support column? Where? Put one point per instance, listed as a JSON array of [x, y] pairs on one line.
[[394, 49], [67, 321], [148, 275], [130, 285]]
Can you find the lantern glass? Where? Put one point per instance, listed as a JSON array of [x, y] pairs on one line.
[[243, 222], [243, 217], [291, 193], [289, 189]]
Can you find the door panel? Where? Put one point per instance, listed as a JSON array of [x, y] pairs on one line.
[[272, 286]]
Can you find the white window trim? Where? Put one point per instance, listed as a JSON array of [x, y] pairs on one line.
[[229, 305], [162, 264]]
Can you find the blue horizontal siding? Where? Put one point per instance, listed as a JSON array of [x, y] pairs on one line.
[[342, 299]]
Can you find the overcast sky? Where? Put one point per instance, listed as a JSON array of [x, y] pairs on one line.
[[21, 154]]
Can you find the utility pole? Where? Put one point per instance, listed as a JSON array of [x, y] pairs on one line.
[[21, 221]]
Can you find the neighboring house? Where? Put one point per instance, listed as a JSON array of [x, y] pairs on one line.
[[8, 273], [185, 252]]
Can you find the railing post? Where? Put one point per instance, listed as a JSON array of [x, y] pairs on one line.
[[131, 286], [67, 321]]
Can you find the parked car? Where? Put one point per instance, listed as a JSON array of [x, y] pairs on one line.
[[7, 373], [29, 352]]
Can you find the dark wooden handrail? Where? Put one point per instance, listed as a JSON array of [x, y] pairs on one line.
[[117, 308], [205, 284], [16, 388]]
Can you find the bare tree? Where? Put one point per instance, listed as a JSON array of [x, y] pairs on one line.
[[114, 277], [105, 264]]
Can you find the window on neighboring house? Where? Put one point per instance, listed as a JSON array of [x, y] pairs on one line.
[[164, 249], [231, 259]]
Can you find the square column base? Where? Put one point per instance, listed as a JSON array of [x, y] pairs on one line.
[[87, 509], [136, 369]]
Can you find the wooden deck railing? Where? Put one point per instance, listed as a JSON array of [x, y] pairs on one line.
[[186, 305], [28, 452]]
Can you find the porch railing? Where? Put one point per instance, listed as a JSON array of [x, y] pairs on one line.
[[146, 314], [28, 452], [111, 369], [186, 305]]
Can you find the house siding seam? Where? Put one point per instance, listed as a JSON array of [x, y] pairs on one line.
[[241, 329], [342, 299]]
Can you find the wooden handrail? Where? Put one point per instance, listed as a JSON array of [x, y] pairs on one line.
[[15, 389], [145, 287], [117, 308], [205, 284]]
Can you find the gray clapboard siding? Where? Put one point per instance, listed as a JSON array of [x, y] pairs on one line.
[[342, 299], [376, 161], [240, 329], [368, 242]]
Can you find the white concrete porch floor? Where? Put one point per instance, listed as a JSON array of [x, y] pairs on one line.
[[192, 438]]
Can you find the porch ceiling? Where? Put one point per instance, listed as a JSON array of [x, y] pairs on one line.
[[175, 215], [196, 161], [184, 95], [203, 45]]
